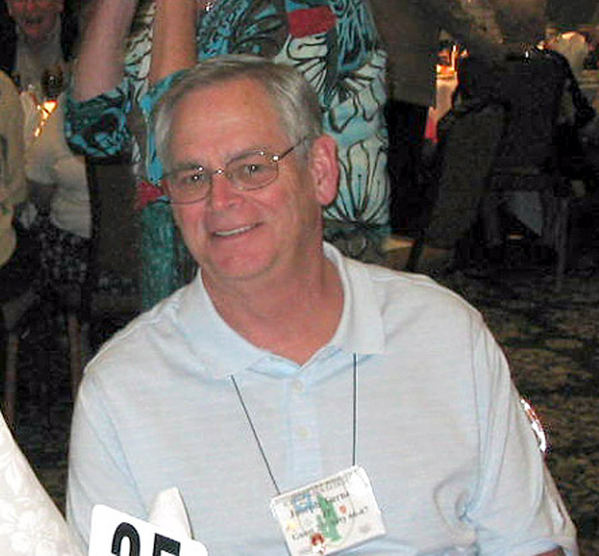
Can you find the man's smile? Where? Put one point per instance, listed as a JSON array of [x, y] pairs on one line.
[[235, 231]]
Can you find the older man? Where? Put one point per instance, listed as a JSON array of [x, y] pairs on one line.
[[286, 366]]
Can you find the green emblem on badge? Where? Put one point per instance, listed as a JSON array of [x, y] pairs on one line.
[[327, 523]]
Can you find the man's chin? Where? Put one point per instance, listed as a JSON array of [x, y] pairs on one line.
[[237, 269]]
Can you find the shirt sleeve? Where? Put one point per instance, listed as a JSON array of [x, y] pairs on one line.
[[148, 103], [516, 509], [98, 127], [98, 470]]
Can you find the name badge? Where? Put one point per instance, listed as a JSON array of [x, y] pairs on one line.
[[114, 532], [330, 515]]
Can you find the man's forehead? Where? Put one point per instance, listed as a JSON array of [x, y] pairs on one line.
[[237, 98]]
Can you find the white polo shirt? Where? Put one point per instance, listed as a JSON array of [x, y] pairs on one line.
[[452, 459]]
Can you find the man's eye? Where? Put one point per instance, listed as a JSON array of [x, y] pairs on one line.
[[192, 178], [252, 169]]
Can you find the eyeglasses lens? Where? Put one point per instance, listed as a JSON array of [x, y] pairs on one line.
[[251, 171]]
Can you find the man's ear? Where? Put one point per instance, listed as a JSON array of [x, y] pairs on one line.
[[324, 167]]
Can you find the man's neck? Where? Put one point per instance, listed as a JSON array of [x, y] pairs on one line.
[[292, 316]]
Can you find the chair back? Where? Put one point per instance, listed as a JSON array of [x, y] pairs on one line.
[[528, 158], [112, 290], [532, 90], [115, 226], [468, 139]]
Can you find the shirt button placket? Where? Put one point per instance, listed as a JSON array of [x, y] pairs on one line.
[[306, 456]]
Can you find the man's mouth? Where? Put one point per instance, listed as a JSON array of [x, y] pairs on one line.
[[234, 231]]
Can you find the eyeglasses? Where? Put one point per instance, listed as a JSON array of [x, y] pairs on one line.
[[247, 172]]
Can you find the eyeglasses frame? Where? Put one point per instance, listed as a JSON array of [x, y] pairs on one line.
[[276, 158]]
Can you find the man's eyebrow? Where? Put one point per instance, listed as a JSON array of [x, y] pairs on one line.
[[190, 165]]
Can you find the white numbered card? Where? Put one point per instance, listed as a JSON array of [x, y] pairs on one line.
[[331, 515], [116, 533]]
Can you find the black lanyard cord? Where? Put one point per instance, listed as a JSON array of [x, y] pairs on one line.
[[257, 438], [249, 420], [355, 411]]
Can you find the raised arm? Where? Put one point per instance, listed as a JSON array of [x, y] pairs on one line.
[[174, 43], [102, 50]]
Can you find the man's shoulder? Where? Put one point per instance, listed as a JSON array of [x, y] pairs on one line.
[[140, 341], [405, 289], [406, 305]]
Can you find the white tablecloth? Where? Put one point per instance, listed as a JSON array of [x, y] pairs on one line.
[[30, 523]]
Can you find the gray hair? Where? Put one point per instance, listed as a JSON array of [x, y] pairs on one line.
[[295, 99]]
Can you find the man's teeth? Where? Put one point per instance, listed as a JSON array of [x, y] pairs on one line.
[[227, 233]]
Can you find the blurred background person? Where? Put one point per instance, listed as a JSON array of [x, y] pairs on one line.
[[411, 32], [37, 39], [334, 44], [63, 221], [524, 112], [37, 45], [18, 252]]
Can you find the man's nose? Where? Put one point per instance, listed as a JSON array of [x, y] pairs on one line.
[[223, 193]]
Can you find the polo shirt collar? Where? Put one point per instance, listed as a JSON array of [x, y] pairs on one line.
[[360, 329], [215, 343]]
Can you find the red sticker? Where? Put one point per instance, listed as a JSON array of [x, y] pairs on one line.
[[317, 539], [311, 21], [147, 193]]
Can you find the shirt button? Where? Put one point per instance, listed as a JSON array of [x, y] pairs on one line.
[[303, 432], [298, 386]]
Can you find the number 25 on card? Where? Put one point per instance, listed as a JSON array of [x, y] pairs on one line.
[[116, 533]]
